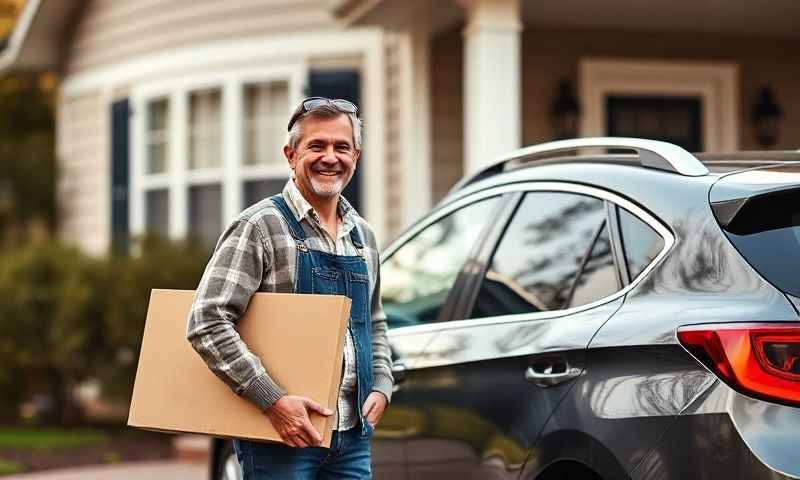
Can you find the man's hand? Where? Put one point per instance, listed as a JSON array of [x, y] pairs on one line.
[[374, 407], [289, 416]]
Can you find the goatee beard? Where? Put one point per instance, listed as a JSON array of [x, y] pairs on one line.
[[327, 190]]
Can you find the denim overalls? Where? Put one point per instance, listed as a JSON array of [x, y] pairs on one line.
[[349, 455], [323, 273]]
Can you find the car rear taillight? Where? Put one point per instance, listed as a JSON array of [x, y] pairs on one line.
[[758, 359]]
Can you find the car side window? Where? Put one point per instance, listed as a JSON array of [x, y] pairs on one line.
[[639, 241], [539, 255], [417, 278], [598, 279]]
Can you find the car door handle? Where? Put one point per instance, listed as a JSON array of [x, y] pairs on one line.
[[547, 378]]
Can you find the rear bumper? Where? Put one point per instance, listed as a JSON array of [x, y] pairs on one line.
[[727, 435]]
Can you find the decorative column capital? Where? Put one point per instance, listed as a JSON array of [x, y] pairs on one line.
[[491, 15]]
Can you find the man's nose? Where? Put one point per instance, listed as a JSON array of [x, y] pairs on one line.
[[330, 154]]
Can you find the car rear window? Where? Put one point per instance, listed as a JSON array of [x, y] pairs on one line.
[[766, 231]]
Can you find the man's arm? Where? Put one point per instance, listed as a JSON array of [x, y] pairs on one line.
[[381, 353], [231, 278], [377, 401]]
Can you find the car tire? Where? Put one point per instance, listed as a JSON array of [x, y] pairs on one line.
[[228, 467]]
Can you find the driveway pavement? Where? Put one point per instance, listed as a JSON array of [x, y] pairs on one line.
[[123, 471]]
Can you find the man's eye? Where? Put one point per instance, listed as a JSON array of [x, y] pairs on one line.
[[343, 148]]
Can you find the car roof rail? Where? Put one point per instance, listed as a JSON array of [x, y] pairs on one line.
[[652, 154]]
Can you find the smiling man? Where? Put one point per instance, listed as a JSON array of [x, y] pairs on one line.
[[308, 239]]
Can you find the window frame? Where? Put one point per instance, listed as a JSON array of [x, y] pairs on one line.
[[468, 281], [485, 261]]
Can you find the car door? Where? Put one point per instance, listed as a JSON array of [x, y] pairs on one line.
[[517, 338], [419, 282]]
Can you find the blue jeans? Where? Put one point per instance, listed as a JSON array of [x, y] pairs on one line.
[[348, 458]]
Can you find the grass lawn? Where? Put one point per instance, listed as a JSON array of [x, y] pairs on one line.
[[7, 468], [28, 448], [49, 438]]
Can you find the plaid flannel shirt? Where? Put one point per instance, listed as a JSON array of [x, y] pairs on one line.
[[256, 253]]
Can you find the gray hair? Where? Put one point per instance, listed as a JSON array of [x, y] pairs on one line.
[[325, 112]]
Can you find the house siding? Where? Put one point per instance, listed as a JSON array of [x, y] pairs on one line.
[[447, 89], [393, 149], [549, 55], [82, 151], [113, 30]]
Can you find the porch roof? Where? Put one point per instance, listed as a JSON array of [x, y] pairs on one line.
[[37, 42], [778, 18]]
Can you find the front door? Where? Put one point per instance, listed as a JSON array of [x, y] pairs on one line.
[[670, 119]]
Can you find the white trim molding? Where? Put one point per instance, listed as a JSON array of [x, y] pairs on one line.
[[716, 84]]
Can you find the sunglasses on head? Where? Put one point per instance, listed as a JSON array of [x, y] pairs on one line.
[[311, 103]]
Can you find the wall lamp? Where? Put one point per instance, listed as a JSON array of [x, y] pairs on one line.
[[565, 111], [766, 118]]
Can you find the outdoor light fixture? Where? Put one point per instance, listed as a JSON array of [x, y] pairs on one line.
[[766, 118], [565, 111]]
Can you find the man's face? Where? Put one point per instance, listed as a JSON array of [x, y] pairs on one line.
[[325, 157]]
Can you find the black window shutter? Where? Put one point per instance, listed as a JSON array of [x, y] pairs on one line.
[[120, 231], [345, 84]]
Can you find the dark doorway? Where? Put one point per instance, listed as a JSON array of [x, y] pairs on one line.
[[344, 84], [671, 119]]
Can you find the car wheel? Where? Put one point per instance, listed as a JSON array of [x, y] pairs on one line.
[[228, 467]]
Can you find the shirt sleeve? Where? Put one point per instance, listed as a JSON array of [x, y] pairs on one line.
[[231, 278], [381, 353]]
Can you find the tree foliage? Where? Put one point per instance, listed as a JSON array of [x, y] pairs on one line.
[[27, 157]]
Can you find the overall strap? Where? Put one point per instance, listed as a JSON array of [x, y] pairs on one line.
[[294, 226], [355, 237]]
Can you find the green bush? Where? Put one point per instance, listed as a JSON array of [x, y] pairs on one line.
[[67, 317], [160, 264]]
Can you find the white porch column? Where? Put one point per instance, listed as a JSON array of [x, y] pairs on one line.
[[492, 123], [415, 130]]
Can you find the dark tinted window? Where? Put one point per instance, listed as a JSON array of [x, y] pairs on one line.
[[767, 233], [640, 241], [598, 278], [417, 278], [536, 261]]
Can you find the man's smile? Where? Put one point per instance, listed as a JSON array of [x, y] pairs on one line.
[[328, 173]]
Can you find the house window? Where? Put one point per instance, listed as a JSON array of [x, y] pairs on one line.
[[256, 190], [205, 213], [196, 168], [205, 129], [266, 109], [157, 136], [157, 211]]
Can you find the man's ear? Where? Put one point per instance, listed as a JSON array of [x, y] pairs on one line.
[[356, 156], [290, 154]]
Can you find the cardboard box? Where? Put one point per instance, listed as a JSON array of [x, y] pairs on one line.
[[299, 339]]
